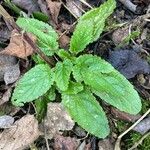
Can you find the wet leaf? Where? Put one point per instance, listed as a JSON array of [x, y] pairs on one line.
[[29, 5], [12, 74], [6, 121], [128, 63], [143, 126], [9, 69]]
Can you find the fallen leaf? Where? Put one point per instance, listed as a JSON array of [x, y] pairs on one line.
[[75, 7], [54, 8], [64, 40], [24, 132], [4, 33], [105, 145], [143, 126], [84, 146], [67, 143], [124, 116], [18, 46], [6, 121], [79, 131], [8, 108], [29, 5], [12, 74], [9, 69], [42, 5], [128, 63], [119, 35], [57, 119], [6, 96]]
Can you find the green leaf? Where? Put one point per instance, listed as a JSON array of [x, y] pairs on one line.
[[41, 108], [108, 83], [33, 84], [63, 54], [46, 35], [87, 112], [84, 31], [90, 26], [51, 95], [62, 74], [74, 88]]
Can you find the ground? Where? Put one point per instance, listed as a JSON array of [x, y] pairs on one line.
[[124, 42]]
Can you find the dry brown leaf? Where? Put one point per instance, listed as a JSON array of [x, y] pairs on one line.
[[18, 46], [67, 143], [124, 116], [57, 119], [6, 96], [64, 40], [119, 35], [105, 144], [24, 132], [54, 8]]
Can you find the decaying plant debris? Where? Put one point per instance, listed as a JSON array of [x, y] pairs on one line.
[[44, 124]]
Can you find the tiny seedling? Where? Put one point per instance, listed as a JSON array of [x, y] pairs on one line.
[[78, 78]]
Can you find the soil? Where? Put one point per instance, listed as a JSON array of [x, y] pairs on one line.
[[125, 43]]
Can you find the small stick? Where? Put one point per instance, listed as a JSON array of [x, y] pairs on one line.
[[13, 24], [117, 145], [140, 141], [85, 3], [129, 5]]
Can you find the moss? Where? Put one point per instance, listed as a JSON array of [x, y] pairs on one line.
[[145, 105], [134, 137], [121, 125]]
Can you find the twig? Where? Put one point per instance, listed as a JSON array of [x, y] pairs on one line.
[[85, 3], [13, 24], [129, 5], [67, 29], [117, 145], [140, 141]]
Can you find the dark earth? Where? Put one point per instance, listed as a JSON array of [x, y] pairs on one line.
[[125, 43]]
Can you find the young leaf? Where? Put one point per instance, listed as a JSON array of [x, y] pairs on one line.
[[90, 26], [62, 74], [87, 112], [108, 83], [63, 54], [33, 84], [74, 88], [46, 35]]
